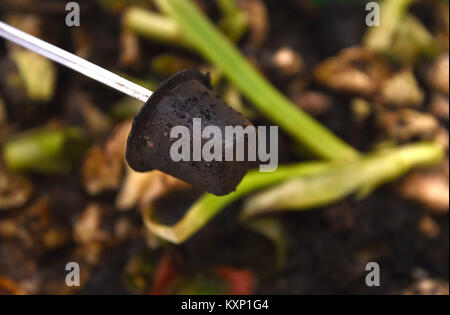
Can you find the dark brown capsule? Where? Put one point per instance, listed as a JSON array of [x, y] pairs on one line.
[[177, 101]]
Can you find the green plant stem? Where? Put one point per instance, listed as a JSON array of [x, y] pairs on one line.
[[377, 169], [153, 26], [391, 12], [209, 205], [38, 74], [234, 23], [361, 176], [215, 47], [46, 151]]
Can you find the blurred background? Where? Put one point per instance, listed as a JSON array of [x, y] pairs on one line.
[[67, 195]]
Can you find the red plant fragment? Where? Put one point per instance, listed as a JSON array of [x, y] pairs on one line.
[[166, 274], [240, 281]]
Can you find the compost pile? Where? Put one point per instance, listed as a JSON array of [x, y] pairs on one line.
[[68, 195]]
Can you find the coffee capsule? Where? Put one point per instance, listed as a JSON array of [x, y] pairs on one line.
[[185, 102]]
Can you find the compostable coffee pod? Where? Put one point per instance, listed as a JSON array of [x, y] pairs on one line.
[[185, 108]]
